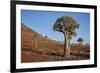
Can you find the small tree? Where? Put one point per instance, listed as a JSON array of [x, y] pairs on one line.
[[66, 25], [46, 37], [35, 37], [80, 40], [45, 40]]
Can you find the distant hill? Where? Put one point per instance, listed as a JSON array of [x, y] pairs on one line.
[[29, 35], [47, 49]]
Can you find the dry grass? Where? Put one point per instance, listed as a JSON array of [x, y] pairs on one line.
[[48, 50], [41, 55]]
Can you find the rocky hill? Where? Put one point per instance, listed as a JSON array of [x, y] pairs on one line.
[[29, 36], [37, 48]]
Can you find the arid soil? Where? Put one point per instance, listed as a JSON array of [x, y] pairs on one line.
[[47, 49]]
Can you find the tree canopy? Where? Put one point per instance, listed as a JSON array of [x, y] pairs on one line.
[[65, 23], [80, 39]]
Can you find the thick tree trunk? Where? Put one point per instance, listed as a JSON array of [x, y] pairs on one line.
[[66, 47], [69, 47]]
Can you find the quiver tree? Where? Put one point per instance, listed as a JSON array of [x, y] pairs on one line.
[[35, 37], [46, 37], [80, 40], [45, 41], [67, 26]]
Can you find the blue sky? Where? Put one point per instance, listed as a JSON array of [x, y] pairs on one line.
[[42, 22]]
